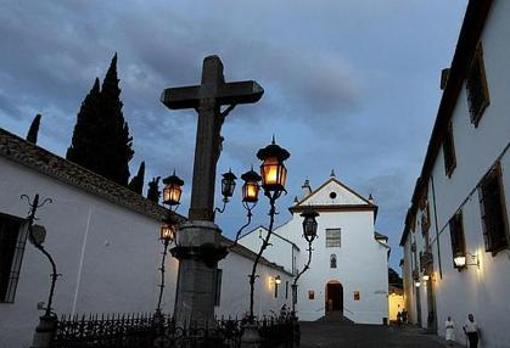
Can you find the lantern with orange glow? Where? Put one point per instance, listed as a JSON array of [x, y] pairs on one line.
[[173, 190], [251, 187], [167, 232], [273, 171]]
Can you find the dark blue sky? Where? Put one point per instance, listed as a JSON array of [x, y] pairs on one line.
[[350, 85]]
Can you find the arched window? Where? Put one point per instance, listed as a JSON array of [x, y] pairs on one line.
[[332, 261]]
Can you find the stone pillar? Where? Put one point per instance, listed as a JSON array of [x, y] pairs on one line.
[[44, 331], [198, 250]]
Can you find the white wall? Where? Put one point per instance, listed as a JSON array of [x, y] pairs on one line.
[[235, 291], [280, 251], [108, 255]]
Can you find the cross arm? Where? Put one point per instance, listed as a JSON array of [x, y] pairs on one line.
[[243, 92], [181, 97]]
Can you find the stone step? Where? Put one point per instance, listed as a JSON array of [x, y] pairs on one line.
[[336, 317]]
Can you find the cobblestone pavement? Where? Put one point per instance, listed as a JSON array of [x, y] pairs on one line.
[[333, 334]]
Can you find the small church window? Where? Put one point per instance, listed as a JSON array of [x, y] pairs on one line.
[[476, 86], [449, 151], [356, 296], [332, 195], [311, 294], [333, 237], [332, 261], [457, 236], [12, 245], [493, 211]]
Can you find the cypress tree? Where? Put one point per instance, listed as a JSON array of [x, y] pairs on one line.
[[84, 145], [115, 136], [153, 193], [101, 140], [136, 183], [33, 132]]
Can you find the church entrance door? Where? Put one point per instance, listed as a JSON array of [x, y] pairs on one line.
[[334, 297]]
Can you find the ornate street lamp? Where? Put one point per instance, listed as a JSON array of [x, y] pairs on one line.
[[272, 169], [228, 185], [310, 224], [251, 188], [37, 234], [274, 177], [310, 233], [172, 191], [167, 235], [250, 199]]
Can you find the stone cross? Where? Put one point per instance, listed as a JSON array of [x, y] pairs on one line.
[[207, 98]]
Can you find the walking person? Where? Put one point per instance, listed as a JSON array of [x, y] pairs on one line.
[[472, 331], [404, 316], [450, 331]]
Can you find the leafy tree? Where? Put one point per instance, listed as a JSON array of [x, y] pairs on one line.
[[136, 183], [34, 129]]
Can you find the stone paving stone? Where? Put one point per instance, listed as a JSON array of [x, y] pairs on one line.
[[334, 334]]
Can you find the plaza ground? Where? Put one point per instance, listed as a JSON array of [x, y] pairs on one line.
[[334, 334]]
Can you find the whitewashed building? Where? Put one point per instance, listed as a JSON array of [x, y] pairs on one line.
[[456, 238], [348, 274], [105, 241]]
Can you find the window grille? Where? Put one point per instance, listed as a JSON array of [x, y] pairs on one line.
[[493, 211], [449, 151], [13, 236], [457, 236], [333, 237], [477, 88]]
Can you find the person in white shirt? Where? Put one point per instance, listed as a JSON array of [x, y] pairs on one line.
[[472, 331], [450, 331]]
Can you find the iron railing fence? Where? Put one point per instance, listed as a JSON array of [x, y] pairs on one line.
[[152, 330]]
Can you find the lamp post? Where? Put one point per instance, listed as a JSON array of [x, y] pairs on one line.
[[172, 193], [47, 323], [310, 233], [250, 194], [167, 236], [274, 176]]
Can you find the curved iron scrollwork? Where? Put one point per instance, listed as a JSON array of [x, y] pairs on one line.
[[34, 205]]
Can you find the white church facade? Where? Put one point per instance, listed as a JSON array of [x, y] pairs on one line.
[[348, 273]]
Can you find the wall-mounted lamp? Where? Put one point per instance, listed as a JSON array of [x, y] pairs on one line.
[[277, 280], [425, 277], [462, 260], [417, 283]]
